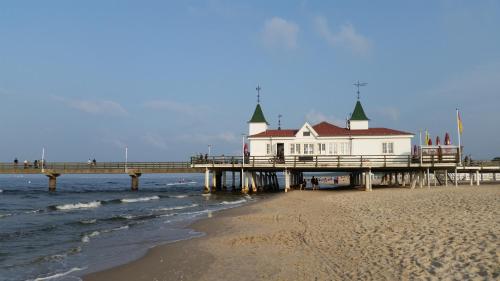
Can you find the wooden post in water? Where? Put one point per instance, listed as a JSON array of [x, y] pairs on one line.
[[134, 180], [52, 181], [207, 180]]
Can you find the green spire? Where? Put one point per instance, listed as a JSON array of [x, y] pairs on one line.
[[258, 116], [358, 113]]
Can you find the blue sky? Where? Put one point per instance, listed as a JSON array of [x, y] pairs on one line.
[[85, 79]]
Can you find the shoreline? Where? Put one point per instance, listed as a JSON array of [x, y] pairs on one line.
[[200, 225], [430, 236]]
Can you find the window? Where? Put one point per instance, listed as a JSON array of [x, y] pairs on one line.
[[387, 147], [268, 149], [292, 148], [321, 148], [330, 148], [306, 134], [297, 148], [308, 148], [335, 149]]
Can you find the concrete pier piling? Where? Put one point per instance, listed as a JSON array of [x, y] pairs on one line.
[[134, 180]]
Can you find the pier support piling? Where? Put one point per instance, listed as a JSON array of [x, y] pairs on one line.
[[134, 180], [477, 178], [52, 181], [207, 180]]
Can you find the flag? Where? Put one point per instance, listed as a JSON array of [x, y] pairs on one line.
[[460, 125]]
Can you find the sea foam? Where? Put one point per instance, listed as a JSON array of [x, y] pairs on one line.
[[177, 207], [93, 204], [140, 199], [58, 275], [233, 202]]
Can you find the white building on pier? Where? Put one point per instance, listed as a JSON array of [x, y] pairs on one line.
[[326, 139]]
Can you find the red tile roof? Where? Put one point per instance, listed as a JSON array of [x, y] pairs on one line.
[[276, 133], [325, 129]]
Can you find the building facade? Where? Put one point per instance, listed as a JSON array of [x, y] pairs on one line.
[[326, 139]]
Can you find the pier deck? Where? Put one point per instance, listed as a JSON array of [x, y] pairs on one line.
[[261, 170]]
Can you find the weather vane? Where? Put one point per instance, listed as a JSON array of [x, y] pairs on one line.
[[258, 93], [359, 84], [279, 121]]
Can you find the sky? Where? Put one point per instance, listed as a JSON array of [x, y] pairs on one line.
[[85, 79]]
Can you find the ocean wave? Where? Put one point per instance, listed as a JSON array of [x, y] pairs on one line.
[[140, 199], [177, 207], [89, 205], [58, 275], [233, 202], [5, 215], [120, 228], [180, 196], [86, 237], [89, 221], [34, 211], [198, 212]]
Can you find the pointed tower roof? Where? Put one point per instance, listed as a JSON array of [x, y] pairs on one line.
[[258, 116], [358, 113]]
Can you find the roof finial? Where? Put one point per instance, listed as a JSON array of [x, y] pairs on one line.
[[279, 121], [359, 84], [258, 93]]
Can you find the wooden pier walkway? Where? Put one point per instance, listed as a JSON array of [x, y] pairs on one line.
[[134, 169], [260, 172]]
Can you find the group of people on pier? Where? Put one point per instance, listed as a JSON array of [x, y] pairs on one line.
[[27, 164]]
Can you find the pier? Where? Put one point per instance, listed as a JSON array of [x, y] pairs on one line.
[[134, 169], [260, 173]]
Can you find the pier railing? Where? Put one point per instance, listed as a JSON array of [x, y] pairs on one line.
[[326, 161], [97, 167]]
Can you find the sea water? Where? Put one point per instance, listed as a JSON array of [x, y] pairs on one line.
[[94, 222]]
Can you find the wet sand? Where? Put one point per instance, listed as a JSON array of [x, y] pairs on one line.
[[441, 233]]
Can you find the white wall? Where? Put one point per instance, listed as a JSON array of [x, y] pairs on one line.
[[358, 124], [255, 128], [360, 145]]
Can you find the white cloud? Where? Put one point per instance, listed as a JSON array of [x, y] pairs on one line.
[[173, 106], [280, 33], [315, 117], [95, 107], [347, 37]]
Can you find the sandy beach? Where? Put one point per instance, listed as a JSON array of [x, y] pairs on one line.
[[441, 233]]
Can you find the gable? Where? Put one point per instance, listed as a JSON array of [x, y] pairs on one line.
[[306, 131]]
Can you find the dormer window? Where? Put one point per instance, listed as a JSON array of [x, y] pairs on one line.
[[306, 134]]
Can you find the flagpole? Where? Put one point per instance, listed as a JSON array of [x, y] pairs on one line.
[[420, 138], [43, 159], [459, 141]]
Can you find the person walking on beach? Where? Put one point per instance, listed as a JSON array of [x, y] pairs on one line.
[[303, 185], [313, 183]]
